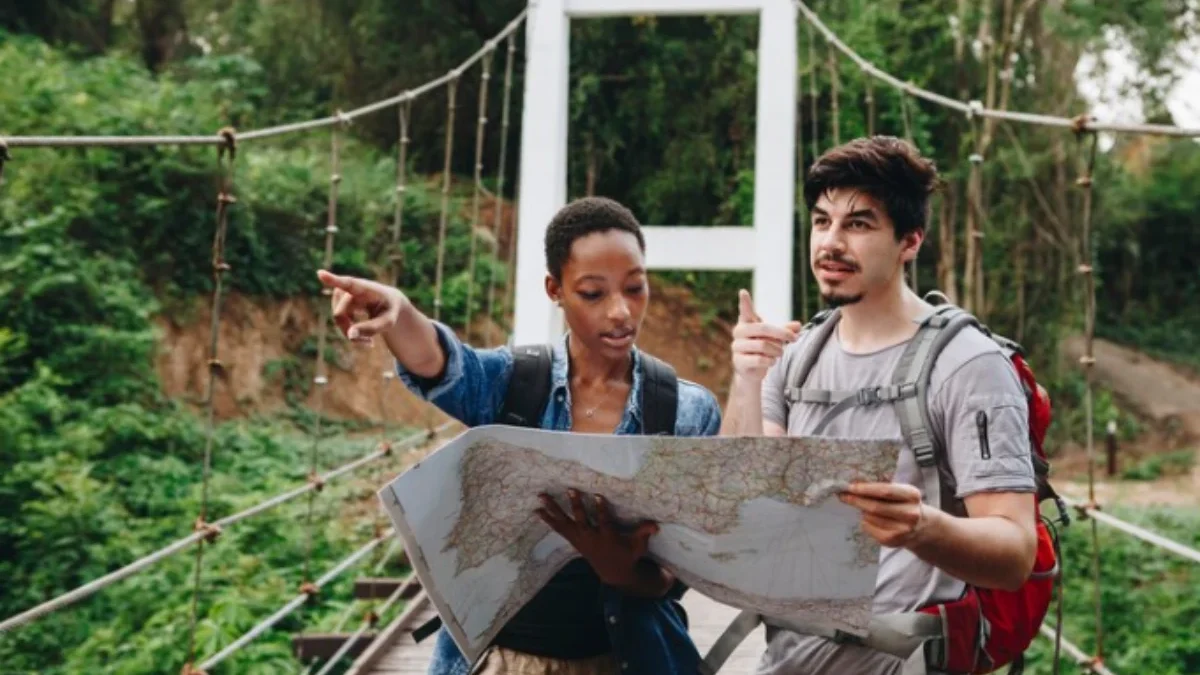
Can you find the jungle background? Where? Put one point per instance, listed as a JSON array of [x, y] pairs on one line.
[[105, 272]]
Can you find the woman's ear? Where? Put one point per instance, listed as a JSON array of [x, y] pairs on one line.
[[553, 289]]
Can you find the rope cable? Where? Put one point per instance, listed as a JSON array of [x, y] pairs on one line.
[[60, 601], [306, 125], [498, 202], [812, 93], [906, 119], [1088, 361], [449, 149], [480, 125], [307, 591], [1030, 118], [226, 161], [396, 257], [321, 378], [1090, 664], [800, 203]]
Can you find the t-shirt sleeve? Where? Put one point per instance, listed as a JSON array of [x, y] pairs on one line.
[[774, 408], [982, 414]]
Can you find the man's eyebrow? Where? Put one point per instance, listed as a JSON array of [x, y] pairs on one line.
[[863, 213]]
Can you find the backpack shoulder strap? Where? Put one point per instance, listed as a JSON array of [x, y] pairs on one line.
[[915, 368], [528, 388], [821, 325], [660, 396]]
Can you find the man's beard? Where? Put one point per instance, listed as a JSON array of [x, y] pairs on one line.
[[835, 300]]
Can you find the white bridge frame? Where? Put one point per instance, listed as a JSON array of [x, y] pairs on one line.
[[764, 247]]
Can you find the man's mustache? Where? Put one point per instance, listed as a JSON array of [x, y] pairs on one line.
[[837, 258]]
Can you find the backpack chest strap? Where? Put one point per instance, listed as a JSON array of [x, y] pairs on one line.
[[845, 400]]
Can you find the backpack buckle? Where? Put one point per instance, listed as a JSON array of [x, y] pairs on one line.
[[868, 396]]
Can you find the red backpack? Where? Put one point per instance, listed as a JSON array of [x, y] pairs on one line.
[[984, 629]]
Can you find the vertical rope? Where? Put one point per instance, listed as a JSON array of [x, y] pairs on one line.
[[397, 256], [908, 136], [800, 203], [226, 156], [321, 379], [484, 78], [812, 93], [451, 91], [972, 268], [497, 209], [1088, 361]]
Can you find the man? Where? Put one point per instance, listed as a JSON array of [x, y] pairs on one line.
[[869, 204]]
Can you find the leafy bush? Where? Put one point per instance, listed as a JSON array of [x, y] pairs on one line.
[[1150, 598]]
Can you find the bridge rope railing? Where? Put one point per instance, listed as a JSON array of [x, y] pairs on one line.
[[974, 107], [227, 141], [309, 590], [1084, 127], [293, 127], [219, 525]]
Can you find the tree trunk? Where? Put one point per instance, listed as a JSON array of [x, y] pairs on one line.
[[590, 188], [163, 28], [833, 98]]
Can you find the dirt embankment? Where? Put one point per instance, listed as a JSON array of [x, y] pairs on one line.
[[259, 344], [1169, 400], [1155, 389]]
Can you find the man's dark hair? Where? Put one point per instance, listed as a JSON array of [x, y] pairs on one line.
[[581, 218], [885, 167]]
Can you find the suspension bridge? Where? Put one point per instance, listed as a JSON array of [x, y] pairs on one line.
[[765, 248]]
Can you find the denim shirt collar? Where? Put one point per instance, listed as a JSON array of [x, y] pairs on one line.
[[560, 388]]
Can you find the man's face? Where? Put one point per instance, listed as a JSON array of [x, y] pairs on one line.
[[854, 252]]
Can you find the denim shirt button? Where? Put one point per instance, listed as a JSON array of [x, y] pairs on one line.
[[624, 665], [612, 618]]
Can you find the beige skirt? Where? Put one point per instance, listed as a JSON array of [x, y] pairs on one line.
[[501, 661]]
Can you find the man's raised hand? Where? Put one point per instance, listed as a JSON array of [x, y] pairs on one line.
[[756, 344], [353, 297]]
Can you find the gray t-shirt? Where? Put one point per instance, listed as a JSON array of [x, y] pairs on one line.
[[974, 389]]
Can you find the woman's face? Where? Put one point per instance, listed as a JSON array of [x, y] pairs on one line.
[[603, 291]]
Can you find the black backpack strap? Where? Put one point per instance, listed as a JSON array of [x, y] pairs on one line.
[[660, 396], [528, 388]]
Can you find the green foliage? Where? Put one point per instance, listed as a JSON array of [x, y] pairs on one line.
[[1067, 395], [1150, 598], [100, 468], [95, 243], [1179, 462], [1146, 252]]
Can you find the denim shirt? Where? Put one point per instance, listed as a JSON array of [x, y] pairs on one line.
[[648, 636]]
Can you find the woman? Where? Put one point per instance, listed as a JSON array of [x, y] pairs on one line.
[[613, 610]]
